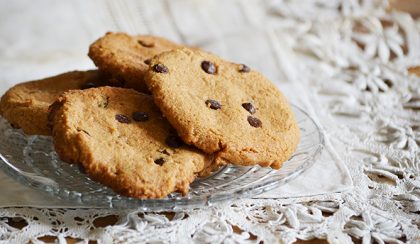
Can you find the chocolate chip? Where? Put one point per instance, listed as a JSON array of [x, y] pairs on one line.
[[146, 44], [208, 67], [255, 122], [164, 151], [244, 69], [174, 141], [249, 107], [88, 85], [159, 161], [122, 118], [140, 116], [160, 68], [148, 61], [213, 104]]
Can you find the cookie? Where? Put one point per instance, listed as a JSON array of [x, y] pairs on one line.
[[121, 139], [223, 108], [126, 57], [25, 105]]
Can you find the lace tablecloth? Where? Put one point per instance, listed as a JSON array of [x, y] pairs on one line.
[[351, 64]]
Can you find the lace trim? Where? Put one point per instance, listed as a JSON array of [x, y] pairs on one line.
[[358, 60]]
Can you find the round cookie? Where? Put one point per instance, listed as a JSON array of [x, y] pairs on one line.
[[125, 57], [26, 104], [121, 139], [223, 108]]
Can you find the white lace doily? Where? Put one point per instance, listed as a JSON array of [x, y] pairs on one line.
[[351, 60]]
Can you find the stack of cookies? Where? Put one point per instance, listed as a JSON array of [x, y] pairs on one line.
[[155, 115]]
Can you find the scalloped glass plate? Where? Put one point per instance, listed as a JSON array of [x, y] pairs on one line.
[[32, 161]]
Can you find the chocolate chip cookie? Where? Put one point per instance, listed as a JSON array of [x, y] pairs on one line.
[[25, 105], [121, 139], [126, 57], [223, 108]]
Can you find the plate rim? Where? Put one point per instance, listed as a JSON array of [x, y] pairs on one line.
[[157, 205]]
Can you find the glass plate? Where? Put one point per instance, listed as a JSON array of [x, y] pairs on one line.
[[33, 161]]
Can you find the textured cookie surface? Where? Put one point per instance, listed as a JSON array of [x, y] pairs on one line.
[[121, 139], [223, 108], [125, 57], [26, 105]]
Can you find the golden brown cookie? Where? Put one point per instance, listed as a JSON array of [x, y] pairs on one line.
[[125, 57], [121, 139], [223, 108], [26, 105]]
